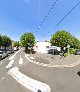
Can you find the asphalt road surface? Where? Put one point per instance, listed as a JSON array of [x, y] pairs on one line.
[[59, 79]]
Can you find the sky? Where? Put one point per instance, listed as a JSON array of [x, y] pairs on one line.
[[22, 16]]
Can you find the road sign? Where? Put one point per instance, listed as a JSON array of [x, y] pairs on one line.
[[68, 46]]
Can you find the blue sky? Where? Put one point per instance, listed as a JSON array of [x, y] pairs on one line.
[[21, 16]]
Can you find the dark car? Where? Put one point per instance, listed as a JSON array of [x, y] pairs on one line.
[[3, 54], [53, 51]]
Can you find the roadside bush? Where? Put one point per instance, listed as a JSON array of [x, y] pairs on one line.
[[72, 51], [30, 51], [65, 54]]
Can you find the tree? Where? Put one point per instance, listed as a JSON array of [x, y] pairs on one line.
[[61, 38], [0, 40], [16, 43], [6, 41], [76, 43], [27, 40]]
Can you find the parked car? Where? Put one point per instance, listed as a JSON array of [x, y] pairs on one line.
[[16, 48], [77, 52], [3, 54], [53, 51], [10, 51]]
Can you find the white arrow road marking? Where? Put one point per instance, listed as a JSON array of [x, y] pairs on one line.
[[10, 64], [29, 83], [20, 60]]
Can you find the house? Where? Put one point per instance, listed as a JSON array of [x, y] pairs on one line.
[[42, 47], [45, 47]]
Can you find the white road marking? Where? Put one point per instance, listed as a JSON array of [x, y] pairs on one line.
[[12, 61], [28, 59], [41, 64], [45, 65], [20, 61], [50, 65], [10, 64], [34, 62], [27, 55], [37, 63], [32, 58], [1, 63], [28, 82], [12, 57], [3, 78]]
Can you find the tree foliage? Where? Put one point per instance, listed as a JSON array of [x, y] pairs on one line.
[[27, 40], [63, 38], [0, 40], [16, 43], [6, 41], [76, 43]]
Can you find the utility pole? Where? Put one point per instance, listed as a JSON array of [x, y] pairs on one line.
[[68, 46]]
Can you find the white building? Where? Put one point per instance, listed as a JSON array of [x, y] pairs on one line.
[[42, 47]]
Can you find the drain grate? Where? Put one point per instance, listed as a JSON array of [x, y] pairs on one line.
[[78, 73]]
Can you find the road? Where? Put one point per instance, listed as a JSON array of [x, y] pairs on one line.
[[59, 79], [7, 83]]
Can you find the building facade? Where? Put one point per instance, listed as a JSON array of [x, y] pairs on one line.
[[42, 47]]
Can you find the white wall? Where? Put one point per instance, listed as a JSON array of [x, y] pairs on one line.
[[41, 47]]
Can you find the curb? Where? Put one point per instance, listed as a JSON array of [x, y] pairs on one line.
[[49, 65], [29, 83]]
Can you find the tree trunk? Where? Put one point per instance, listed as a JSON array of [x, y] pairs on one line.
[[5, 48]]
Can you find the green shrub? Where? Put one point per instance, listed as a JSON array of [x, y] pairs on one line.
[[72, 51], [65, 54]]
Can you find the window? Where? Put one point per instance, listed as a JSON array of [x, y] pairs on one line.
[[47, 46]]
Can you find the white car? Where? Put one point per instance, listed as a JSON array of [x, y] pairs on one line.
[[3, 55], [15, 48]]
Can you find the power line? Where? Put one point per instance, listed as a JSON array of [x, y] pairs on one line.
[[65, 16], [68, 13], [46, 16]]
